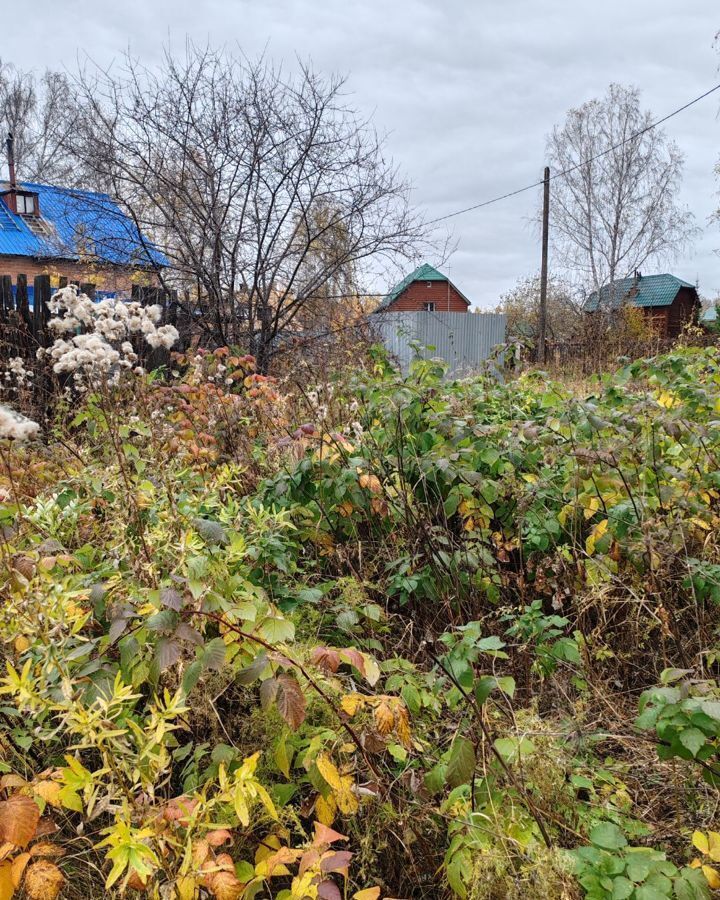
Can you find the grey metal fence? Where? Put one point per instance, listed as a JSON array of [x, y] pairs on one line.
[[463, 340]]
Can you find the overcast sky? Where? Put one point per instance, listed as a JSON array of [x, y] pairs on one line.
[[466, 90]]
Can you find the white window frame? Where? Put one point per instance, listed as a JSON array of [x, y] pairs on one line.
[[429, 306], [23, 201]]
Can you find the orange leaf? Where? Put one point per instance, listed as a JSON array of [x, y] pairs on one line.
[[19, 817], [18, 867], [46, 849], [43, 881], [384, 719], [325, 835], [218, 837]]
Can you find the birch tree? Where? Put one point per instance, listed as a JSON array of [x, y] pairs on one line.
[[614, 213], [40, 114]]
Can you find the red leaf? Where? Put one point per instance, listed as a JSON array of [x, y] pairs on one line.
[[337, 862], [290, 701], [326, 658], [354, 657], [328, 890]]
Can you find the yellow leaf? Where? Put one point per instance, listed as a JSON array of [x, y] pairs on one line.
[[328, 771], [595, 535], [49, 791], [7, 888], [325, 809], [711, 876], [350, 703], [18, 867], [714, 845], [591, 507], [186, 887], [666, 400], [346, 800], [372, 893], [384, 719], [21, 643], [402, 727]]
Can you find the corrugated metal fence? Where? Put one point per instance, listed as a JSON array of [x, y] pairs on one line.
[[463, 340]]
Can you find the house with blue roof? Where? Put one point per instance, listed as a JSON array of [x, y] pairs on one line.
[[77, 235], [668, 302]]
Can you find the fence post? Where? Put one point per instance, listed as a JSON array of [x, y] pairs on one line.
[[5, 297], [21, 299], [41, 299]]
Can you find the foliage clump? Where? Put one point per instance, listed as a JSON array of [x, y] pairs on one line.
[[395, 637]]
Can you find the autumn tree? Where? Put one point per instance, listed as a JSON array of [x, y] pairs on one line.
[[614, 212], [40, 113], [521, 306], [265, 191]]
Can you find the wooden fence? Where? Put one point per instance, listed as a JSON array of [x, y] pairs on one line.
[[25, 313]]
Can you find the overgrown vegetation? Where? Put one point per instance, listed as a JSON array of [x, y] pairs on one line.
[[379, 637]]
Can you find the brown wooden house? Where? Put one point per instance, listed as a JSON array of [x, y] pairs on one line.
[[668, 302], [425, 290]]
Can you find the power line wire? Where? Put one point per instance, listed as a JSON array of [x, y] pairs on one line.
[[579, 165], [536, 184]]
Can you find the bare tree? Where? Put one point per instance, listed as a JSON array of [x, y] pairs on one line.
[[264, 191], [521, 306], [40, 113], [613, 214]]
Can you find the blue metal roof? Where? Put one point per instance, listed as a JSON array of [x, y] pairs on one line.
[[645, 290], [75, 224]]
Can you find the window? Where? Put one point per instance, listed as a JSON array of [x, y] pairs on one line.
[[25, 204], [429, 307]]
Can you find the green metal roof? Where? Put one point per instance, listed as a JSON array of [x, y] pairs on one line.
[[424, 272], [645, 290], [710, 314]]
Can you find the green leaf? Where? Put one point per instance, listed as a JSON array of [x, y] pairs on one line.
[[254, 670], [164, 621], [191, 676], [692, 739], [277, 631], [608, 836], [622, 888], [485, 686], [461, 763], [213, 656], [506, 683]]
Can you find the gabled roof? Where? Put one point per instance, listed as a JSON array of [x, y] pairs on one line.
[[710, 314], [74, 224], [423, 273], [645, 290]]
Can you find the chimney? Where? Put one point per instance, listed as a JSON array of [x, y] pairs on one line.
[[10, 144]]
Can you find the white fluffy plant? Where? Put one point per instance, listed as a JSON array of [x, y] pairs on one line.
[[93, 342]]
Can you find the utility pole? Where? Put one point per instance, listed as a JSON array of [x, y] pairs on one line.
[[542, 326]]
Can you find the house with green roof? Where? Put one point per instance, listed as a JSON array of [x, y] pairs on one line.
[[424, 290], [668, 302]]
